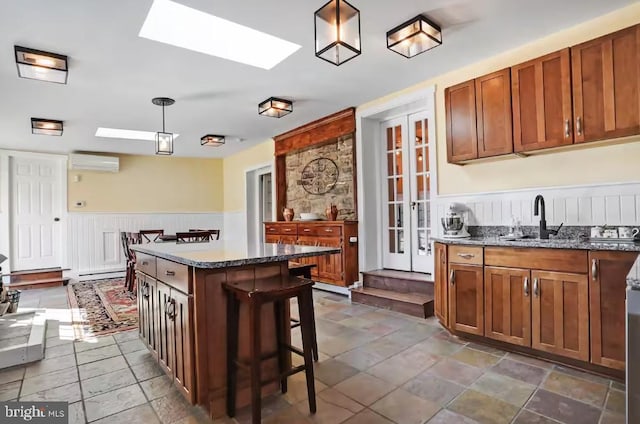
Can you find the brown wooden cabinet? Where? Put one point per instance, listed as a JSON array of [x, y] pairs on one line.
[[338, 269], [507, 294], [606, 86], [607, 292], [147, 292], [462, 136], [466, 298], [440, 283], [165, 350], [560, 313], [180, 329], [493, 114], [541, 94]]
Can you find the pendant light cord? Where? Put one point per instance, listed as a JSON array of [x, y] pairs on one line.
[[163, 117]]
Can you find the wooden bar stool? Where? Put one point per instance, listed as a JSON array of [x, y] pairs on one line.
[[297, 269], [256, 293]]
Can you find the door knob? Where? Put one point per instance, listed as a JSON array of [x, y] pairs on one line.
[[56, 219]]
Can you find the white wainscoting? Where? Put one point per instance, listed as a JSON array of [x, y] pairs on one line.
[[610, 204], [235, 234], [94, 238]]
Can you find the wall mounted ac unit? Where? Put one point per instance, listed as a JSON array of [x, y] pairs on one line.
[[79, 162]]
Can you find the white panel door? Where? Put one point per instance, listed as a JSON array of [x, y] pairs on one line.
[[395, 196], [36, 205], [420, 186]]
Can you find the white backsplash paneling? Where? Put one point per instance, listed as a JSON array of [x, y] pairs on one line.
[[94, 238], [610, 204]]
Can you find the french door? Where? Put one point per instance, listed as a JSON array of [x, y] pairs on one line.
[[407, 194]]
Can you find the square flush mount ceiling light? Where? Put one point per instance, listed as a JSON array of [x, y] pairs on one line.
[[415, 36], [212, 140], [128, 134], [39, 65], [46, 126], [181, 26], [337, 32], [275, 107]]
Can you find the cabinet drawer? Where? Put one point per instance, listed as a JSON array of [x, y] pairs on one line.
[[146, 263], [320, 230], [285, 229], [465, 255], [174, 275], [560, 260]]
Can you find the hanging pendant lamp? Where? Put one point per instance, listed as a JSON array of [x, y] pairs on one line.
[[337, 32], [164, 140]]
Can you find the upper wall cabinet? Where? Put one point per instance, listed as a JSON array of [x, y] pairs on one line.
[[606, 86], [541, 93], [478, 114], [493, 114], [460, 104]]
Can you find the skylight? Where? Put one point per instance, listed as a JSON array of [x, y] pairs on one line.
[[128, 134], [181, 26]]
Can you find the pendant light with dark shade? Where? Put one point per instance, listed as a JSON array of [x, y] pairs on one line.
[[415, 36], [337, 32], [164, 140]]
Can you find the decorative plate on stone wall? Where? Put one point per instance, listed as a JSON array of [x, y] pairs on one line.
[[319, 176]]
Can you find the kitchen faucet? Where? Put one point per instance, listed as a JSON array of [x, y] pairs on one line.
[[544, 232]]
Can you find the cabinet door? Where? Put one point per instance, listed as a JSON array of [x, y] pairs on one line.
[[271, 238], [460, 112], [440, 285], [181, 340], [541, 94], [606, 86], [507, 297], [560, 314], [607, 293], [144, 307], [309, 241], [330, 266], [165, 348], [466, 299], [493, 112]]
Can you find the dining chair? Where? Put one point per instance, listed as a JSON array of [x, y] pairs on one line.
[[193, 237], [127, 239], [214, 233], [149, 236]]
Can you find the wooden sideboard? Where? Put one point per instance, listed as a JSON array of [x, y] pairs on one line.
[[340, 269], [562, 304]]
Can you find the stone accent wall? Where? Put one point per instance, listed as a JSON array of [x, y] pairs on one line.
[[342, 194]]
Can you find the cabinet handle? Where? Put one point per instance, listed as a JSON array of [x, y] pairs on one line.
[[145, 290], [579, 125], [287, 230], [452, 277], [466, 255], [567, 129], [169, 272], [145, 263], [328, 230], [536, 288], [526, 286], [594, 269], [306, 230]]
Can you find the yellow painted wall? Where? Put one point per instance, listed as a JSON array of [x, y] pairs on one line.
[[601, 164], [150, 184], [235, 167]]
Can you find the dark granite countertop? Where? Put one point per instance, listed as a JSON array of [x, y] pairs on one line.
[[215, 255], [582, 244]]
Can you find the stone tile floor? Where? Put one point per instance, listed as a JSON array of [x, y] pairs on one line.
[[375, 367]]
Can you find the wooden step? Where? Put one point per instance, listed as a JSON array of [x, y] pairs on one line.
[[39, 284], [415, 304], [35, 274], [398, 281]]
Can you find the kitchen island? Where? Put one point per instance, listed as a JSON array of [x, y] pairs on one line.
[[561, 299], [182, 311]]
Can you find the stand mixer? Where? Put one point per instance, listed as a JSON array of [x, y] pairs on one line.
[[453, 224]]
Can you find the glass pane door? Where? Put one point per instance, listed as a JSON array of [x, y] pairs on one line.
[[396, 236], [420, 172]]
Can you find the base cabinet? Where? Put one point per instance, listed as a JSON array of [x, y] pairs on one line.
[[466, 299], [147, 293], [560, 314], [440, 289], [607, 292], [507, 294]]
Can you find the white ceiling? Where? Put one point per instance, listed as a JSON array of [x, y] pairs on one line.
[[114, 73]]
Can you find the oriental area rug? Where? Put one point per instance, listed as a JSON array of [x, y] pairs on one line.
[[102, 307]]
